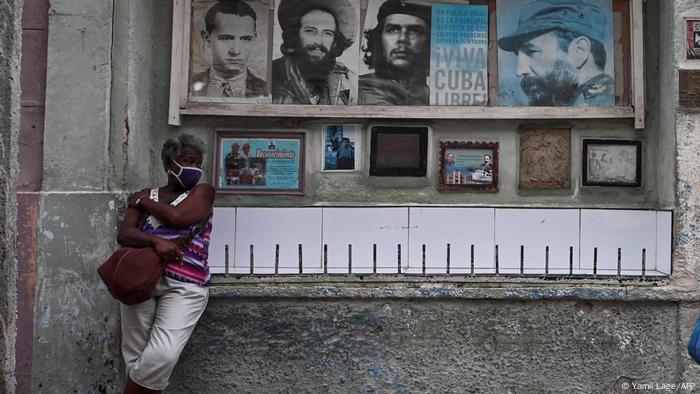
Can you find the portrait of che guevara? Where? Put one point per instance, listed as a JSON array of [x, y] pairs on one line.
[[396, 51]]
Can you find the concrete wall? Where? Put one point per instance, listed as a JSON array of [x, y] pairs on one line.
[[106, 117], [686, 124], [76, 341], [10, 44], [427, 345]]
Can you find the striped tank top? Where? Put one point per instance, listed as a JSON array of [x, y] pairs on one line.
[[194, 267]]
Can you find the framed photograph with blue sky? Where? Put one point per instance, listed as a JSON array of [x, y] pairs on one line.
[[468, 166], [341, 147], [555, 53], [259, 162]]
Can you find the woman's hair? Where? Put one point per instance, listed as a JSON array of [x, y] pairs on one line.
[[174, 145]]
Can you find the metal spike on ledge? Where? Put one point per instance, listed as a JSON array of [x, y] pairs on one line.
[[277, 259], [226, 266], [374, 259], [301, 260], [252, 259]]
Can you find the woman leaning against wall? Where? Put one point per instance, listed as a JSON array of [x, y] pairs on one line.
[[155, 332]]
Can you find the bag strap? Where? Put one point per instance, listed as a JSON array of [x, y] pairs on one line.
[[192, 234], [194, 231], [145, 215]]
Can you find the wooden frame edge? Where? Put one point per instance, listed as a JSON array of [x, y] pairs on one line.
[[402, 112], [637, 55], [176, 56], [179, 84]]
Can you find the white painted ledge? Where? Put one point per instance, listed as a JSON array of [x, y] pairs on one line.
[[451, 241]]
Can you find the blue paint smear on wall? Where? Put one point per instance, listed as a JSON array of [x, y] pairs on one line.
[[386, 376], [326, 291], [434, 293]]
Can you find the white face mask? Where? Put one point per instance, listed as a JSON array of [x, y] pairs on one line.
[[187, 176]]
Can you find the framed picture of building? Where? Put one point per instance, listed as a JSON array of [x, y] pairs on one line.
[[468, 166], [259, 162], [612, 163], [341, 147]]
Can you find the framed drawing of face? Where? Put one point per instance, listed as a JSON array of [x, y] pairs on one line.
[[612, 163], [229, 56], [468, 166]]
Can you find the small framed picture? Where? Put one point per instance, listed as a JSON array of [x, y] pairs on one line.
[[259, 162], [341, 147], [612, 163], [693, 37], [468, 166], [399, 151]]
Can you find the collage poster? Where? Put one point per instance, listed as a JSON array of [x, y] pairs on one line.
[[459, 53], [259, 164], [550, 52]]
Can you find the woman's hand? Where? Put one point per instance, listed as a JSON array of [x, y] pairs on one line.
[[135, 198], [167, 250]]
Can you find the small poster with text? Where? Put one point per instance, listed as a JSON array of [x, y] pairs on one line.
[[459, 53]]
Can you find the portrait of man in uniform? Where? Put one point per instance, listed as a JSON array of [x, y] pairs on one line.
[[229, 34], [397, 52], [555, 53], [314, 35]]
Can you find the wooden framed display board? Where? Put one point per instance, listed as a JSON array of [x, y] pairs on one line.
[[450, 59]]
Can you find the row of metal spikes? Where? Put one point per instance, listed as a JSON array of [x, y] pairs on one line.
[[424, 267]]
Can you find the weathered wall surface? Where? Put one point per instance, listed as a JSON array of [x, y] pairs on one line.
[[431, 346], [686, 125], [106, 117], [76, 345], [10, 58], [76, 327]]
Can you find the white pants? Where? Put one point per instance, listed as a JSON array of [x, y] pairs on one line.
[[155, 331]]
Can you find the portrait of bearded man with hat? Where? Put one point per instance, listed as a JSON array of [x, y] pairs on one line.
[[560, 52], [315, 33]]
